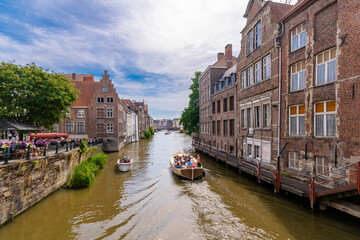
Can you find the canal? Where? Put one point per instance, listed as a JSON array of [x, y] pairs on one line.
[[150, 202]]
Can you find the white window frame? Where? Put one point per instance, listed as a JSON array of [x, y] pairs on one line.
[[249, 153], [257, 152], [293, 162], [300, 73], [257, 116], [78, 128], [243, 80], [298, 34], [297, 117], [266, 122], [250, 75], [324, 114], [243, 118], [109, 113], [266, 67], [109, 99], [257, 38], [258, 74], [249, 117], [109, 128], [71, 125], [250, 42], [80, 113], [321, 167], [326, 64]]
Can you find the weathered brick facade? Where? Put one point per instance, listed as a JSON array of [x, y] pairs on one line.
[[332, 41], [206, 81], [223, 111], [257, 88]]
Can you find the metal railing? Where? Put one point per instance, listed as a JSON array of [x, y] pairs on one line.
[[318, 185]]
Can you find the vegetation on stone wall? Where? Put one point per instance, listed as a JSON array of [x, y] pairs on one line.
[[190, 115], [151, 130], [147, 134], [85, 172]]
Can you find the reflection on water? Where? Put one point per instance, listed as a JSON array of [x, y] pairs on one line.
[[150, 202]]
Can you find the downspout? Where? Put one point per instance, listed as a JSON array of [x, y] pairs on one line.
[[236, 133], [277, 45]]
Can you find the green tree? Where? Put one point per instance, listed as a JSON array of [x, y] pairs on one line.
[[33, 95], [190, 115]]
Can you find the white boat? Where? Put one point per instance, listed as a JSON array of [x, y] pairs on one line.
[[186, 171], [125, 166]]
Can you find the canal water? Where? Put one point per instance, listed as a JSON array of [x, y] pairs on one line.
[[150, 202]]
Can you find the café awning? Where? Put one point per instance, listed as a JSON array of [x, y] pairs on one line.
[[10, 125]]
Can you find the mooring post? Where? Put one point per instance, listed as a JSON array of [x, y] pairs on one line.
[[6, 160], [28, 153], [259, 172]]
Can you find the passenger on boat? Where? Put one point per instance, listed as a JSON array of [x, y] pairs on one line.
[[198, 164]]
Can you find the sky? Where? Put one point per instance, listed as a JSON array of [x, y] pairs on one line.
[[151, 48]]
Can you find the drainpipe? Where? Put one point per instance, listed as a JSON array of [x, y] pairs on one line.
[[235, 123], [277, 45]]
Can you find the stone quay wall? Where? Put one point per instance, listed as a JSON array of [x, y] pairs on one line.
[[24, 183]]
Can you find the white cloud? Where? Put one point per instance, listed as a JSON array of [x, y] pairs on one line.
[[170, 38]]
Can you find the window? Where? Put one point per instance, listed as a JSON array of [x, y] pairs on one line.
[[109, 113], [100, 128], [326, 67], [258, 72], [81, 127], [257, 152], [243, 117], [100, 113], [233, 78], [69, 127], [297, 76], [258, 35], [294, 160], [218, 128], [297, 120], [243, 80], [100, 100], [231, 103], [249, 150], [249, 118], [325, 119], [213, 127], [266, 67], [250, 77], [322, 166], [110, 100], [109, 128], [225, 128], [81, 113], [250, 40], [232, 127], [298, 37], [266, 115], [213, 107], [225, 105], [104, 89], [218, 106], [257, 116]]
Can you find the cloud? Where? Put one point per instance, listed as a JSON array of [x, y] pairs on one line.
[[150, 48]]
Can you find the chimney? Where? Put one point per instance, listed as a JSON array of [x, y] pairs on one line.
[[228, 51], [220, 56]]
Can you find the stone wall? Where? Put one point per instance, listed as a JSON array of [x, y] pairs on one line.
[[24, 183]]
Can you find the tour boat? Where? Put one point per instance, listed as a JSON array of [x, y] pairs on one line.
[[124, 164], [167, 133], [186, 171]]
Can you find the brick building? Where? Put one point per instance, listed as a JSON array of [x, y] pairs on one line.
[[206, 80], [320, 82], [99, 112], [223, 111], [257, 90]]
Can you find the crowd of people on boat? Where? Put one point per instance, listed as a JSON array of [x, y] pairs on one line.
[[181, 161]]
